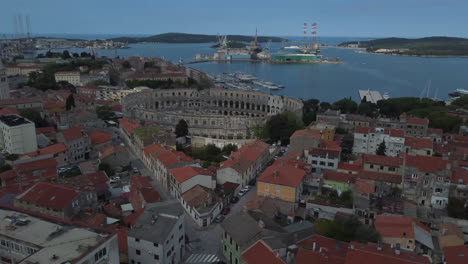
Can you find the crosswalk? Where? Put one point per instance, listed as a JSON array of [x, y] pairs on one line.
[[202, 258]]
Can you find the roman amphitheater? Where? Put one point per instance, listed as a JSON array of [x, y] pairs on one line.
[[215, 113]]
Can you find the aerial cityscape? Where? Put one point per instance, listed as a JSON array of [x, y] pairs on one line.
[[142, 132]]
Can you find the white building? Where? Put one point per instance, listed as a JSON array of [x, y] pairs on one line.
[[4, 88], [17, 134], [72, 77], [159, 235], [27, 239], [367, 140]]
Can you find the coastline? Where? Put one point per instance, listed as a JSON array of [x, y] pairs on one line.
[[407, 55]]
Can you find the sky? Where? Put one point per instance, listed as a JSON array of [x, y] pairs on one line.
[[350, 18]]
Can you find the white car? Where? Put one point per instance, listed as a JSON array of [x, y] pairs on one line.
[[247, 188], [241, 193], [116, 178]]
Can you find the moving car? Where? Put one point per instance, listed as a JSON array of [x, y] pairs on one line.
[[226, 210], [219, 218], [234, 199]]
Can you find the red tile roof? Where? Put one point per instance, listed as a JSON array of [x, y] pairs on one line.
[[397, 226], [362, 130], [418, 143], [305, 256], [417, 120], [364, 186], [9, 111], [459, 176], [98, 137], [383, 160], [355, 166], [336, 176], [456, 254], [359, 253], [106, 151], [36, 165], [283, 172], [185, 173], [427, 164], [436, 131], [129, 124], [332, 246], [310, 133], [74, 133], [45, 130], [246, 156], [49, 195], [382, 177], [138, 182], [260, 252], [150, 195], [49, 150]]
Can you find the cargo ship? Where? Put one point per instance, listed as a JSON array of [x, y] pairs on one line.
[[458, 93]]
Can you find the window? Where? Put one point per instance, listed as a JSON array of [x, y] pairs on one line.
[[156, 256], [137, 240], [155, 244], [371, 166], [138, 252], [180, 226], [237, 247], [322, 163], [330, 164]]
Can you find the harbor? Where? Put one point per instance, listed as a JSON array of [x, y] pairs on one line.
[[242, 81]]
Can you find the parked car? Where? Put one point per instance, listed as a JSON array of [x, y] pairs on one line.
[[226, 210], [247, 188], [135, 170], [117, 178], [219, 218], [234, 199], [241, 193], [61, 170]]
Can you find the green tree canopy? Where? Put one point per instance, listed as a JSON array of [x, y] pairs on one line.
[[381, 149], [105, 112], [282, 126], [346, 105], [181, 129], [34, 116], [70, 102]]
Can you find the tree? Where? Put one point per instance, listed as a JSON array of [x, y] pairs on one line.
[[456, 208], [105, 112], [33, 116], [346, 145], [107, 168], [126, 65], [5, 167], [76, 55], [461, 102], [98, 83], [282, 126], [228, 149], [70, 102], [381, 149], [346, 105], [66, 55], [181, 129]]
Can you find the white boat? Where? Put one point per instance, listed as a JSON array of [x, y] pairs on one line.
[[292, 47]]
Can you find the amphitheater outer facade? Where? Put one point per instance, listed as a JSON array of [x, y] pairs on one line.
[[215, 113]]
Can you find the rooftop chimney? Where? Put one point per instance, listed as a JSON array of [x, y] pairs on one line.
[[314, 246]]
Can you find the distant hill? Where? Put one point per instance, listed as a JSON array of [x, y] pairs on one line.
[[192, 38], [430, 46]]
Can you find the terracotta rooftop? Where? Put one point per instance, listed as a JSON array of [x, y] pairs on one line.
[[359, 253], [336, 176], [74, 133], [9, 111], [310, 133], [383, 160], [283, 172], [456, 254], [49, 195], [460, 176], [185, 173], [246, 156], [36, 165], [397, 226], [378, 176], [364, 186], [260, 252], [98, 137], [199, 196], [418, 143], [49, 150], [106, 151], [427, 164], [129, 124]]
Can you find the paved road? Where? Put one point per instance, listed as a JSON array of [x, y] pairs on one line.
[[204, 244]]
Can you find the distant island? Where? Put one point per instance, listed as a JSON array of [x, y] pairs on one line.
[[192, 38], [430, 46]]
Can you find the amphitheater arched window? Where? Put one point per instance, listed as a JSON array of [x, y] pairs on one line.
[[237, 104], [263, 108], [248, 106], [231, 104], [225, 112]]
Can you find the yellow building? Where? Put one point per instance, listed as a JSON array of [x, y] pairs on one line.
[[327, 131], [283, 180]]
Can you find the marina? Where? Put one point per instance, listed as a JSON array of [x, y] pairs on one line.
[[242, 81]]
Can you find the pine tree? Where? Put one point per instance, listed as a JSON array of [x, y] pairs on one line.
[[181, 129], [70, 102], [381, 149]]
